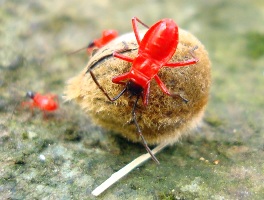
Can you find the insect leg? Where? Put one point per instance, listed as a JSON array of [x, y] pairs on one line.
[[184, 63], [30, 105], [44, 114], [26, 104], [118, 79], [122, 57], [135, 28], [102, 89], [146, 95], [165, 89], [140, 133]]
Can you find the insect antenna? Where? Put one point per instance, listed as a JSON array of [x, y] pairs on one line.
[[102, 89], [140, 132], [76, 51], [90, 45]]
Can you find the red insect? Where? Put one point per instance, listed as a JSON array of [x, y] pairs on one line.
[[155, 51], [46, 103], [107, 36]]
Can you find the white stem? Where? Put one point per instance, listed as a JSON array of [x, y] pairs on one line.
[[125, 170]]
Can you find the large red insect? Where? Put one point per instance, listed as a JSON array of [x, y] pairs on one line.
[[155, 51], [48, 102]]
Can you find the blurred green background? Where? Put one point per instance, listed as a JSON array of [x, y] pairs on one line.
[[35, 39]]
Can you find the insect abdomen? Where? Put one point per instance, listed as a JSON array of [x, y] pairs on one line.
[[160, 42]]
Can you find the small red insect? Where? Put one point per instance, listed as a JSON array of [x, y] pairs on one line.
[[48, 102], [155, 50], [107, 36]]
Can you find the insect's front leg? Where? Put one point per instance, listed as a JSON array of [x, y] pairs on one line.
[[118, 54], [135, 28], [123, 57]]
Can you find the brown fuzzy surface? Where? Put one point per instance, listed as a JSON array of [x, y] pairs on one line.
[[164, 118]]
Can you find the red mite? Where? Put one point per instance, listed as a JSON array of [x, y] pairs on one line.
[[48, 102], [107, 36], [155, 50]]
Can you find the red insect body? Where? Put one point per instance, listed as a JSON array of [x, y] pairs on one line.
[[155, 50], [48, 102], [107, 36]]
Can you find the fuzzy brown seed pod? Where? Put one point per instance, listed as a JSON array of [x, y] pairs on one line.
[[165, 118]]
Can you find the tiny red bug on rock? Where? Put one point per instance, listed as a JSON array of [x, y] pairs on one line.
[[46, 103], [155, 51]]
